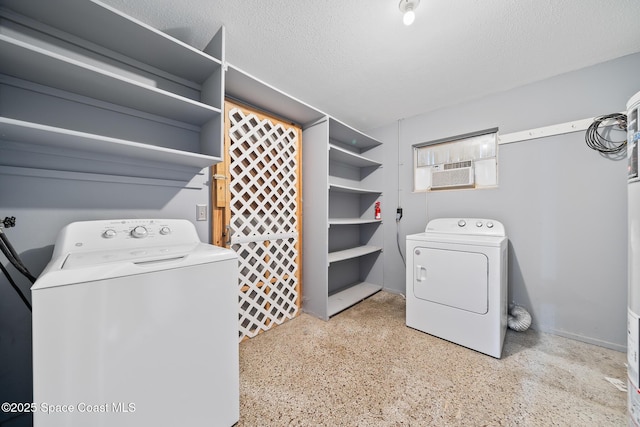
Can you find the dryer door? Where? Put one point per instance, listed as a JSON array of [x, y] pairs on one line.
[[456, 279]]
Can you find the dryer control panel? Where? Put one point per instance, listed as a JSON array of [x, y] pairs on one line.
[[473, 226]]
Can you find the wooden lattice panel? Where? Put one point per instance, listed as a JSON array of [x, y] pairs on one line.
[[264, 219], [268, 283]]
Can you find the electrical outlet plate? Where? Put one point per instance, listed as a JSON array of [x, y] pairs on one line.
[[201, 212]]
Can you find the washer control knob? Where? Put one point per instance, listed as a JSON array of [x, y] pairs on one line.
[[489, 225], [479, 224], [165, 230], [139, 232], [109, 234], [462, 223]]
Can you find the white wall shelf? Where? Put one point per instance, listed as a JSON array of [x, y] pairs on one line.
[[250, 90], [353, 221], [34, 133], [27, 62], [353, 294], [352, 253], [353, 190], [351, 137], [342, 155], [97, 177]]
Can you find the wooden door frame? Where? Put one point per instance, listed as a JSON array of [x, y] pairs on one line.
[[221, 193]]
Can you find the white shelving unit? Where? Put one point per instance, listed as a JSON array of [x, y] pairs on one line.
[[82, 77], [343, 241]]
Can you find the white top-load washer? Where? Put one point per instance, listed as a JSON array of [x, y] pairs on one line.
[[135, 323], [457, 282]]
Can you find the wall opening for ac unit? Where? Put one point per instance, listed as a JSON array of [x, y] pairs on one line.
[[464, 161]]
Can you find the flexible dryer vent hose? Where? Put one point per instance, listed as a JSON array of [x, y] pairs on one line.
[[519, 318]]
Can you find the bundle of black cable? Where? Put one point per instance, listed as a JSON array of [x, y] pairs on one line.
[[597, 140]]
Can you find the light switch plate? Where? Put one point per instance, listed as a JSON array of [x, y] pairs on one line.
[[201, 212]]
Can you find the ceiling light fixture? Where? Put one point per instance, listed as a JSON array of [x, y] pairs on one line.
[[407, 7]]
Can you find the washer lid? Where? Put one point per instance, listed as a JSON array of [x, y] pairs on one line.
[[136, 255], [84, 267]]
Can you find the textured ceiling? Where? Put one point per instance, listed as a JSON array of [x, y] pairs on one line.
[[355, 60]]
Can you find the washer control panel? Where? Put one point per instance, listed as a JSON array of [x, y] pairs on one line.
[[136, 229], [125, 233], [475, 226]]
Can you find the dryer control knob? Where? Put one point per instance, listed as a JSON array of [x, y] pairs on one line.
[[479, 224], [139, 232], [165, 230], [109, 234], [462, 223], [489, 225]]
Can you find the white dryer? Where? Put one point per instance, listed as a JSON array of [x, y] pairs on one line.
[[135, 323], [457, 282]]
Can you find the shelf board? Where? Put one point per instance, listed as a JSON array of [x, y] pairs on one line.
[[246, 88], [32, 63], [352, 253], [122, 34], [34, 133], [350, 296], [354, 190], [342, 155], [353, 221], [350, 136]]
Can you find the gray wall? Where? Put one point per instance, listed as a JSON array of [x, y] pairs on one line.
[[42, 207], [563, 205]]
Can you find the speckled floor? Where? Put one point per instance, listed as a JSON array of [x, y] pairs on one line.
[[366, 368]]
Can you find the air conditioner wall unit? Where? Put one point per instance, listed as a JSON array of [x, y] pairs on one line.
[[453, 175]]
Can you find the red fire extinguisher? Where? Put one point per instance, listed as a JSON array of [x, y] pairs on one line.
[[377, 211]]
